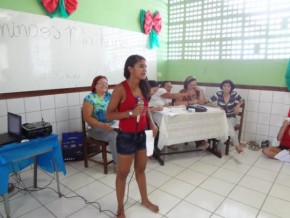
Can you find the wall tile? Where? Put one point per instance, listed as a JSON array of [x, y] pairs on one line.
[[278, 97], [243, 93], [74, 112], [32, 117], [252, 106], [277, 108], [75, 125], [285, 110], [252, 117], [3, 108], [262, 129], [4, 125], [32, 104], [264, 118], [49, 115], [82, 96], [47, 102], [61, 100], [276, 120], [249, 137], [254, 95], [16, 105], [62, 127], [73, 99], [273, 131], [61, 114], [266, 96], [287, 98], [250, 127], [265, 107]]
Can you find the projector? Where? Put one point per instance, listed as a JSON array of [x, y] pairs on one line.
[[37, 129]]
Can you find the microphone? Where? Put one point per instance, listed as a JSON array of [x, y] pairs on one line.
[[139, 102]]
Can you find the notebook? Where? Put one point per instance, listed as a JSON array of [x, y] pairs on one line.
[[14, 122]]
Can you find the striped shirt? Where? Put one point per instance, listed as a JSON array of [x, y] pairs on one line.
[[228, 107]]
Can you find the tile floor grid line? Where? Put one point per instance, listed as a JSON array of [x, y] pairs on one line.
[[227, 196]]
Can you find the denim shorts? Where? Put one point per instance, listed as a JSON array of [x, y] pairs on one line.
[[129, 143]]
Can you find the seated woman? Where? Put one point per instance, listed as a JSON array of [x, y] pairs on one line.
[[168, 87], [154, 88], [94, 112], [283, 137], [230, 101], [161, 95], [197, 95]]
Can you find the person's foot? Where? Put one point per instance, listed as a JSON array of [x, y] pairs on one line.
[[203, 146], [154, 208], [239, 149], [121, 213]]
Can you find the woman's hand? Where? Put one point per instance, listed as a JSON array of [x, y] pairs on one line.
[[107, 127], [154, 129], [237, 109], [137, 111]]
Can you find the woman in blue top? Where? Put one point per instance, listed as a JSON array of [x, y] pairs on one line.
[[230, 101], [94, 112]]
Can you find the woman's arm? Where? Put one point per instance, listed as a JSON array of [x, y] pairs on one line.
[[151, 123], [282, 129], [116, 99], [87, 115], [169, 95], [201, 98]]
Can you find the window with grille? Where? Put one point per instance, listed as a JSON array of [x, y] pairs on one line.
[[229, 29]]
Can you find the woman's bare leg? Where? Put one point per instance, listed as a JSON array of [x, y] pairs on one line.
[[124, 164], [140, 166]]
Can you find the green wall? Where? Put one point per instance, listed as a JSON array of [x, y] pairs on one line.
[[244, 72], [123, 14]]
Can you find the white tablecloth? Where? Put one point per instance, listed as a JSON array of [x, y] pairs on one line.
[[177, 125]]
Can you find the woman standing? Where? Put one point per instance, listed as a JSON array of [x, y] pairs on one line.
[[94, 112], [129, 104], [230, 101]]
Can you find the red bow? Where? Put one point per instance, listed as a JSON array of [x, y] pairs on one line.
[[152, 22], [51, 5]]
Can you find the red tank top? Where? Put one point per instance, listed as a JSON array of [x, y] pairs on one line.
[[285, 141], [129, 124]]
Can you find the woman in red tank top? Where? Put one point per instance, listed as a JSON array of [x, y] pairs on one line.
[[129, 104], [283, 137]]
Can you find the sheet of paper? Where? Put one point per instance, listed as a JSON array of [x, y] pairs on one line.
[[149, 142], [283, 155]]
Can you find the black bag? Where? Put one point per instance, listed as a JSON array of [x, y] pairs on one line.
[[197, 108]]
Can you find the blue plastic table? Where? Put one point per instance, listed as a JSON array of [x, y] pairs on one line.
[[17, 156]]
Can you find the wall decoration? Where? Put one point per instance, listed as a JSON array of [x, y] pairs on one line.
[[287, 75], [66, 7], [151, 24]]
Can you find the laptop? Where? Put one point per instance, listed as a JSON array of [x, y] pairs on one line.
[[14, 130]]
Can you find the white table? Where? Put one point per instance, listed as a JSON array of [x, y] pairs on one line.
[[177, 125]]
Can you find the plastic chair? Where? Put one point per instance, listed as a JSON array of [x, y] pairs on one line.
[[238, 127], [92, 147]]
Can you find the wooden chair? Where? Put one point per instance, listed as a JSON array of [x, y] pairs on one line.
[[238, 127], [92, 147]]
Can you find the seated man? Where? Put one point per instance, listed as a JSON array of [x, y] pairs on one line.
[[284, 138]]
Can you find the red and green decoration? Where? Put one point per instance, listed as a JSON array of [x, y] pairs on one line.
[[151, 25], [65, 7]]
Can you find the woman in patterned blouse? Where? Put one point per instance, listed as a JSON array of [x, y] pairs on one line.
[[230, 101], [94, 112]]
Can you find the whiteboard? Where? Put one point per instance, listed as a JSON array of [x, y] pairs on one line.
[[40, 53]]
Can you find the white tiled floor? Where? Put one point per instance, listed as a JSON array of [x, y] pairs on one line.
[[193, 185]]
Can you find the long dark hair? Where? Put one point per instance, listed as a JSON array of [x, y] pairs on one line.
[[130, 62]]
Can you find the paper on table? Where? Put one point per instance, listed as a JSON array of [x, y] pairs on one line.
[[283, 155], [149, 142]]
